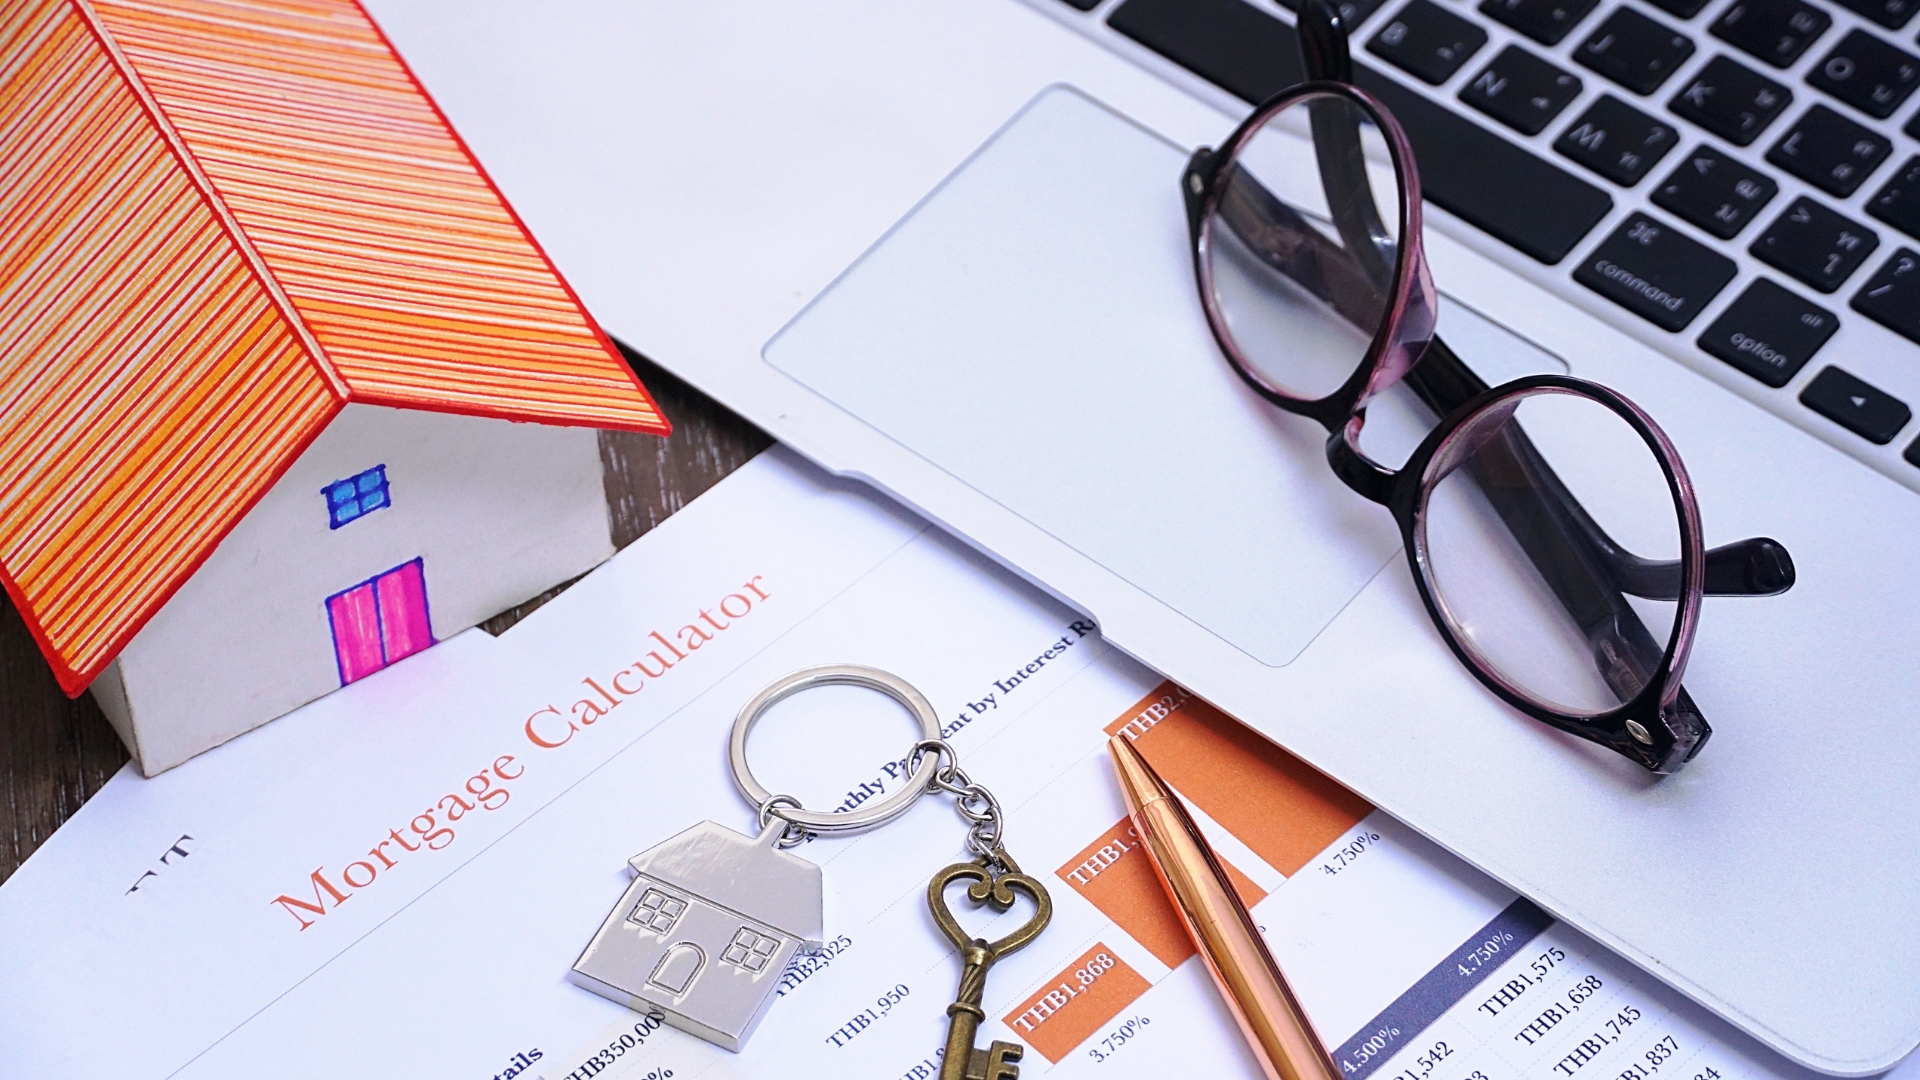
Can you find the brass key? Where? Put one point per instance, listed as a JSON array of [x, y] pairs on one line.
[[998, 1061]]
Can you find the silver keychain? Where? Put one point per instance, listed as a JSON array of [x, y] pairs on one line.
[[713, 916]]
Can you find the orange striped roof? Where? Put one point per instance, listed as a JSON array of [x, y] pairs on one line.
[[220, 222]]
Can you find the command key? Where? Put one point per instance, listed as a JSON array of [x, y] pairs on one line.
[[1654, 271]]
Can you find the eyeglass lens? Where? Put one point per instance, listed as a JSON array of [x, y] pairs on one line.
[[1301, 307], [1536, 583]]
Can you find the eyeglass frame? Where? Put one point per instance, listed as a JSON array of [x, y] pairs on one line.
[[1659, 727]]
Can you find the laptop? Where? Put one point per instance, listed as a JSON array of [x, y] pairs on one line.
[[786, 205]]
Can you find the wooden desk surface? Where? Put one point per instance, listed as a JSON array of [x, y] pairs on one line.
[[55, 753]]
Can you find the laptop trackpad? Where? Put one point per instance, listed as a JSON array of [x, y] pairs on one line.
[[1032, 328]]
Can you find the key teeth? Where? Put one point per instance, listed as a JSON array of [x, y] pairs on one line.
[[996, 1062]]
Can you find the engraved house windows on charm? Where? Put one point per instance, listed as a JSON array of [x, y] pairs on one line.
[[750, 950], [657, 911]]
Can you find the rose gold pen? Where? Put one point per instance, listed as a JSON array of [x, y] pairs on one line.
[[1282, 1038]]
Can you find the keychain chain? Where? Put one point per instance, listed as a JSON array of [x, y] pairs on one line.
[[986, 826]]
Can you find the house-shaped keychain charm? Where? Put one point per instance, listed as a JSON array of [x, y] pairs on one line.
[[705, 931]]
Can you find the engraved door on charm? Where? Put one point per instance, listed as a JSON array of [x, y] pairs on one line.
[[659, 912]]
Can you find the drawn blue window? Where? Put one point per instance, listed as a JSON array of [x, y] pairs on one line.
[[356, 496]]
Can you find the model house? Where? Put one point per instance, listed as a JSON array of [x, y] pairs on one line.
[[287, 392], [705, 931]]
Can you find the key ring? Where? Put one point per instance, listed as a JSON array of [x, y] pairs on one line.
[[866, 815]]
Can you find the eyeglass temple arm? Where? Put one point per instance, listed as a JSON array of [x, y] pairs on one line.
[[1336, 138]]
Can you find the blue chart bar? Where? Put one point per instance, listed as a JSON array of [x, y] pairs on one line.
[[1438, 990]]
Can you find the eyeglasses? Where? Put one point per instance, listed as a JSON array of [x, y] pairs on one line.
[[1548, 522]]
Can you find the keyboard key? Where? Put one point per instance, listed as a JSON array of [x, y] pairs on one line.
[[1868, 74], [1427, 41], [1830, 151], [1682, 9], [1545, 21], [1913, 126], [1656, 273], [1892, 14], [1617, 140], [1891, 297], [1521, 90], [1356, 12], [1898, 204], [1731, 101], [1815, 244], [1715, 192], [1913, 453], [1770, 333], [1352, 12], [1522, 200], [1226, 42], [1083, 5], [1860, 407], [1776, 31], [1634, 51]]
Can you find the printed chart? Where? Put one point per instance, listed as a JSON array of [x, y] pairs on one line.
[[1514, 997], [1520, 998]]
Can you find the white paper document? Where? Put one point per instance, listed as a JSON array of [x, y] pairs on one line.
[[395, 880]]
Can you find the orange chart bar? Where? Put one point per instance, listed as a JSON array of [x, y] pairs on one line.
[[1115, 875], [1271, 801], [1275, 804], [1091, 991]]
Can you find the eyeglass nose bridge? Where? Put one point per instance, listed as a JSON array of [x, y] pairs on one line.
[[1367, 478]]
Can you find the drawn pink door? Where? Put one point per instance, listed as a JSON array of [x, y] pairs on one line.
[[380, 620]]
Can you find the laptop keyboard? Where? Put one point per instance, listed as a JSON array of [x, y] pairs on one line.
[[1756, 159]]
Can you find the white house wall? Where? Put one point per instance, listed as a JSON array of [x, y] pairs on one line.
[[497, 511]]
